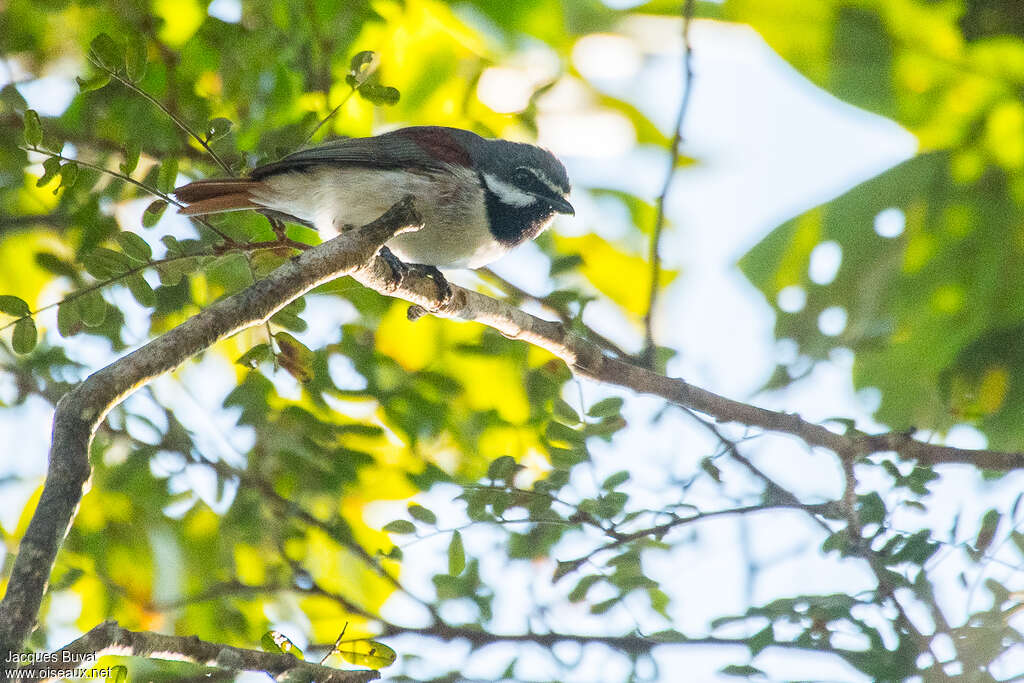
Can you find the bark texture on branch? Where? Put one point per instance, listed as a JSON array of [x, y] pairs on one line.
[[82, 409], [586, 359], [110, 639]]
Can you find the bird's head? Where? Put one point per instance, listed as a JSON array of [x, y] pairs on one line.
[[523, 176]]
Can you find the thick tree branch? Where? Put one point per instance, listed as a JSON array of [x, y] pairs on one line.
[[587, 360], [110, 639], [81, 410]]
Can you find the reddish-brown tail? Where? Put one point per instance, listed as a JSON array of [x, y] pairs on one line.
[[216, 196]]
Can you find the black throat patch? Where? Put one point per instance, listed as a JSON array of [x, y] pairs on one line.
[[512, 225]]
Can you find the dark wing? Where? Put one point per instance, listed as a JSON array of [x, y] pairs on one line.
[[419, 148]]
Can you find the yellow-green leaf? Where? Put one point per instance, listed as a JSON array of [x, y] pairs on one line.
[[621, 276], [369, 653], [93, 83], [456, 555], [275, 641]]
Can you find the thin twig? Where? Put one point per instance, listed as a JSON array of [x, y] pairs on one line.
[[647, 355], [171, 115], [128, 179], [327, 118]]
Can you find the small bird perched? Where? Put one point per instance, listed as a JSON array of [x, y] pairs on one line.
[[479, 198]]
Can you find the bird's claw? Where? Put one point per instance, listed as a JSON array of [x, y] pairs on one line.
[[444, 289], [398, 268]]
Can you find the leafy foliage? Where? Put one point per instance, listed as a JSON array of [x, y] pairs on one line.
[[245, 503]]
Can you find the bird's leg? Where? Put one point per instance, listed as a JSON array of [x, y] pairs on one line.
[[398, 268]]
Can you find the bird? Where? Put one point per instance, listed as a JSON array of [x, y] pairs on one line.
[[478, 197]]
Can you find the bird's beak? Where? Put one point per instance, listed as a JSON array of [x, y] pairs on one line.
[[560, 204]]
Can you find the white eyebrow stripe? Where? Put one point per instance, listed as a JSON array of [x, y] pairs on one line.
[[542, 177], [507, 192]]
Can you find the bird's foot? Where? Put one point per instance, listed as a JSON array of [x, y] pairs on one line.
[[398, 268], [444, 289]]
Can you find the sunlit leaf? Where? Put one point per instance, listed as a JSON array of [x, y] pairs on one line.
[[275, 641], [93, 82], [366, 653]]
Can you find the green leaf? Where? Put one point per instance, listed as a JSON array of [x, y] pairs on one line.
[[132, 152], [69, 320], [118, 674], [501, 467], [456, 555], [760, 640], [606, 407], [55, 265], [989, 524], [615, 480], [217, 128], [24, 338], [260, 353], [230, 270], [400, 526], [712, 470], [268, 643], [564, 412], [51, 167], [33, 128], [379, 94], [275, 641], [68, 175], [289, 321], [368, 653], [93, 82], [362, 66], [742, 670], [92, 307], [168, 175], [141, 289], [422, 514], [562, 436], [103, 263], [12, 305], [580, 590], [171, 272], [151, 216], [134, 246], [135, 58], [295, 357], [106, 52]]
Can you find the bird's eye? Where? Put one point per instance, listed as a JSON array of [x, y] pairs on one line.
[[522, 176]]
